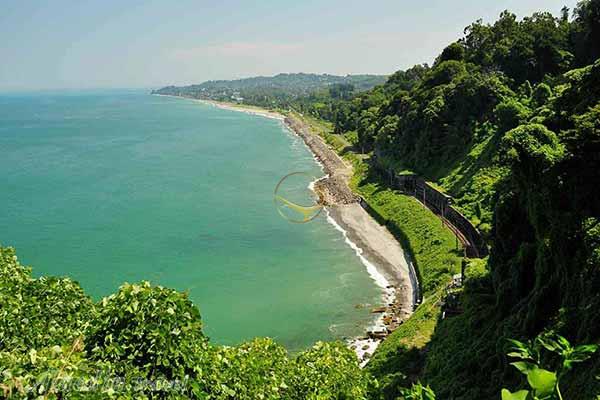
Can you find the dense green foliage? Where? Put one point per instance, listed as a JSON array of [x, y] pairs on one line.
[[507, 122], [430, 120], [152, 329], [52, 311], [146, 342]]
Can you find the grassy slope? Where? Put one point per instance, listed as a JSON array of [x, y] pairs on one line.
[[433, 246], [433, 249], [470, 178]]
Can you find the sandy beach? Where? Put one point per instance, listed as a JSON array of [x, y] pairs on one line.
[[387, 262], [234, 107], [244, 108]]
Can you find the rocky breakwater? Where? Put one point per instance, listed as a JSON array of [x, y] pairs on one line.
[[333, 188]]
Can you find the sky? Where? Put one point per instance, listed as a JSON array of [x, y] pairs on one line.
[[63, 44]]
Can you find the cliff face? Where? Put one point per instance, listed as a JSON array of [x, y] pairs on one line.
[[546, 259]]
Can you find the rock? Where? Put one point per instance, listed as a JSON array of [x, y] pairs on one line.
[[378, 310], [377, 334]]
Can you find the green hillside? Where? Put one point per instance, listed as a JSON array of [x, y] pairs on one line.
[[507, 122], [277, 91]]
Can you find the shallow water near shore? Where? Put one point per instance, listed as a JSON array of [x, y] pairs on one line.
[[114, 186]]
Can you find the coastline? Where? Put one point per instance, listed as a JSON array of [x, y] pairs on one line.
[[243, 108], [262, 112], [386, 261]]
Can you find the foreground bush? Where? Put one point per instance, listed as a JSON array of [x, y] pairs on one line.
[[145, 342], [328, 371], [258, 369], [38, 312], [155, 330]]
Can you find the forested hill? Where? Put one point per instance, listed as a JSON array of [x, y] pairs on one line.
[[507, 121], [278, 90]]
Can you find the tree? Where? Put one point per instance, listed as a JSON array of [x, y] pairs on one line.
[[454, 51], [586, 31], [510, 114]]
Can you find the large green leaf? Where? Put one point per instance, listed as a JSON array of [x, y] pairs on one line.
[[523, 366], [542, 381], [520, 395]]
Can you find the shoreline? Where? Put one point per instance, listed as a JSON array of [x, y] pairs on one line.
[[377, 248], [252, 110], [387, 263]]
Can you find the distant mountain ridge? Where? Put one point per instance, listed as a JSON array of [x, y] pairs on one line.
[[286, 85]]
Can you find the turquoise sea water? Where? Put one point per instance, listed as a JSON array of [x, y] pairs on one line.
[[114, 186]]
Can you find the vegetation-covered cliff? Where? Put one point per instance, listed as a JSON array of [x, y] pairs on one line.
[[507, 121]]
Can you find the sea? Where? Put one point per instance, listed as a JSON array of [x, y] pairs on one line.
[[114, 186]]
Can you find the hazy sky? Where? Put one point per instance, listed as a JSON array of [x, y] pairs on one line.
[[118, 43]]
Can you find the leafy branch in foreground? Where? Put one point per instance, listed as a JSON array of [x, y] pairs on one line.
[[544, 360], [417, 392], [544, 383]]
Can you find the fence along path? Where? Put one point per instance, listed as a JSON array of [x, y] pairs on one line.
[[441, 204]]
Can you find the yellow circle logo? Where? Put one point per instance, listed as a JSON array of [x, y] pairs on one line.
[[289, 192]]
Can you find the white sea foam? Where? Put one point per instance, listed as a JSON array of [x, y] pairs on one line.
[[364, 348], [377, 276]]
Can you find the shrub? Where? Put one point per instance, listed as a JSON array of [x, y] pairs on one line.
[[510, 113], [254, 370], [533, 147], [153, 329], [542, 94], [38, 312], [327, 371]]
